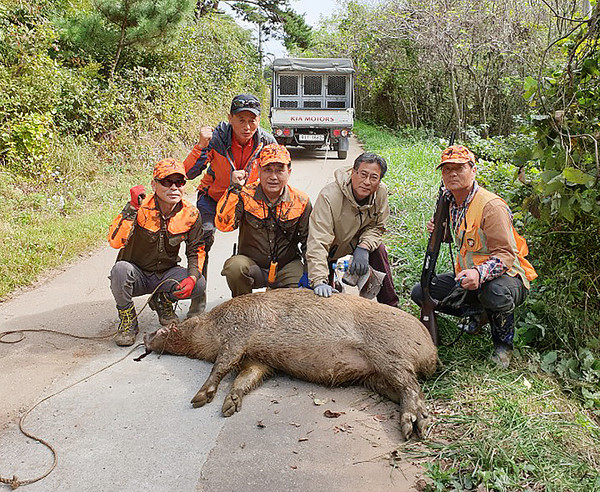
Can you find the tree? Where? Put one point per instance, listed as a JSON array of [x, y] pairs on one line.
[[274, 18], [445, 64], [116, 25]]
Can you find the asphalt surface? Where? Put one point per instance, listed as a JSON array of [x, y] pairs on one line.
[[131, 427]]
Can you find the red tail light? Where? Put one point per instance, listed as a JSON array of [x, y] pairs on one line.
[[287, 132], [336, 132]]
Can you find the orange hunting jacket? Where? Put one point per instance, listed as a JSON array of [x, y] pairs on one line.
[[218, 160], [151, 242], [486, 231], [268, 232]]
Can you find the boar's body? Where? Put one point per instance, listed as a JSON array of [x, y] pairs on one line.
[[338, 340]]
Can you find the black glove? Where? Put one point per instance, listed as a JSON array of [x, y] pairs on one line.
[[360, 262]]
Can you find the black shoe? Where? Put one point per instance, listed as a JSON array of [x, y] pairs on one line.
[[164, 308]]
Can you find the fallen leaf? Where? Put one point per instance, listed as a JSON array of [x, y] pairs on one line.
[[380, 418], [303, 439], [318, 402], [421, 484], [343, 428], [527, 383], [295, 424], [293, 467], [332, 415], [260, 424]]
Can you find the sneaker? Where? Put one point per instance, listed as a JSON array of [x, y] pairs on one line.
[[128, 327], [164, 308]]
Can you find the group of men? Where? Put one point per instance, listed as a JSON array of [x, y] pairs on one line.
[[286, 242]]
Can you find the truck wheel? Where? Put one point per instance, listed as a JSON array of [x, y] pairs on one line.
[[342, 154]]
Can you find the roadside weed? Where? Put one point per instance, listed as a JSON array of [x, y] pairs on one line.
[[500, 430]]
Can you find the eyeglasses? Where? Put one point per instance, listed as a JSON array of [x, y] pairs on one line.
[[364, 176], [245, 103], [168, 182]]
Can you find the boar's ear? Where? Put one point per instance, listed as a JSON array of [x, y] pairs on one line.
[[172, 327]]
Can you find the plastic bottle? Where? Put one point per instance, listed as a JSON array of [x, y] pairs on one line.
[[342, 264]]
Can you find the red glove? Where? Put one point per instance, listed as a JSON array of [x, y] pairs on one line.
[[185, 288], [138, 193]]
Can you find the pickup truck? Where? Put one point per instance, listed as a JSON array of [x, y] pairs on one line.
[[312, 103]]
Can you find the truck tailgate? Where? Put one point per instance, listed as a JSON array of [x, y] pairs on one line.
[[312, 117]]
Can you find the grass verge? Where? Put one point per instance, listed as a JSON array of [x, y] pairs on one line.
[[47, 221], [494, 429]]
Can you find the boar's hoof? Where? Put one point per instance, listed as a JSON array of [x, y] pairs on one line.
[[231, 404], [203, 397], [413, 424]]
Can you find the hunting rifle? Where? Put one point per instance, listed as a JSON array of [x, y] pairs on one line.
[[441, 233]]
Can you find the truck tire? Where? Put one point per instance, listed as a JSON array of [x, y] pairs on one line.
[[342, 154]]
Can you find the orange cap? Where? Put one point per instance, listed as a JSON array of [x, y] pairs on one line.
[[168, 166], [274, 153], [458, 154]]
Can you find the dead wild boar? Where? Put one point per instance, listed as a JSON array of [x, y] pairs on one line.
[[338, 340]]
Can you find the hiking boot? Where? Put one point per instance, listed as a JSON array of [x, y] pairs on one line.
[[197, 306], [128, 327], [502, 355], [163, 306]]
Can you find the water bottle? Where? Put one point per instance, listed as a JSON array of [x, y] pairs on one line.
[[341, 265]]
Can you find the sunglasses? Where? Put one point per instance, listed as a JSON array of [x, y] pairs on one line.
[[245, 103], [168, 182]]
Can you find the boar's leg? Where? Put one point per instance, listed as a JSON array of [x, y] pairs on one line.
[[250, 376], [226, 360], [403, 388]]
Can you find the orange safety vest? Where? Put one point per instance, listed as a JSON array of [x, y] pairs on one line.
[[471, 241]]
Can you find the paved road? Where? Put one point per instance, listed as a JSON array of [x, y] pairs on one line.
[[131, 427]]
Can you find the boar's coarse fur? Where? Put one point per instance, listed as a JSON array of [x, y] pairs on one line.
[[342, 339]]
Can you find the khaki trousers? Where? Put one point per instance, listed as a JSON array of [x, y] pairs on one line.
[[243, 275]]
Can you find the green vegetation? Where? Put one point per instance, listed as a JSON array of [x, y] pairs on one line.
[[93, 94], [72, 142], [520, 83], [494, 429]]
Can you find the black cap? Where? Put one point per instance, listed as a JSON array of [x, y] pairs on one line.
[[245, 102]]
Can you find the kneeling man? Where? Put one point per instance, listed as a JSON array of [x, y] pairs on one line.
[[148, 233], [273, 221]]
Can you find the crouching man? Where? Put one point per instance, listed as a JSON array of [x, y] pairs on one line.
[[491, 267], [148, 233], [273, 221], [349, 218]]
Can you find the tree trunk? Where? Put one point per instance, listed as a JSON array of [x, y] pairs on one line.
[[455, 104], [119, 49]]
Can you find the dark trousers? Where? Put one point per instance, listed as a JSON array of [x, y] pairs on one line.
[[128, 281], [208, 209], [379, 261], [498, 298]]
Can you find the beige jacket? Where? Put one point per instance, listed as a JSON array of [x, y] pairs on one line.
[[338, 224]]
